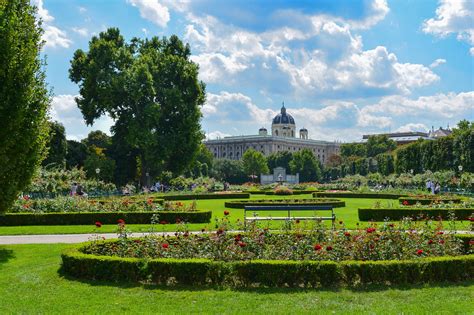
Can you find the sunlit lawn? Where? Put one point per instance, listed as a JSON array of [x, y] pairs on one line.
[[347, 214], [30, 284]]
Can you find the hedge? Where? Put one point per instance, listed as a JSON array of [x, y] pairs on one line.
[[380, 214], [207, 196], [240, 204], [427, 201], [87, 218], [267, 273], [356, 195]]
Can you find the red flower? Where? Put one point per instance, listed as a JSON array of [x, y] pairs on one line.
[[186, 234], [419, 252], [226, 212], [163, 222], [220, 231], [471, 242], [372, 246], [441, 241], [165, 245], [440, 233], [120, 222], [370, 230], [470, 219], [242, 244], [405, 202], [149, 201], [430, 242], [98, 224], [347, 234], [26, 197], [238, 237], [329, 248], [391, 225], [318, 247]]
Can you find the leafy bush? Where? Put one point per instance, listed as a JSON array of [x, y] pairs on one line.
[[357, 195], [428, 200], [89, 218], [207, 196], [240, 204], [382, 214], [283, 190]]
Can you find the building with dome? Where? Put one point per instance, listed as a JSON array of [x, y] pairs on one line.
[[283, 137]]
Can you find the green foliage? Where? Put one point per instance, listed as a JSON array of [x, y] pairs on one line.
[[24, 99], [356, 195], [385, 164], [353, 149], [231, 171], [207, 196], [76, 154], [279, 159], [304, 162], [89, 218], [240, 204], [254, 163], [202, 164], [97, 160], [98, 139], [382, 214], [150, 88], [379, 144], [57, 146]]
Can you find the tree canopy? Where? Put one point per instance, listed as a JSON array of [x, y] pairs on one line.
[[150, 88], [24, 99], [254, 163], [304, 162], [56, 145]]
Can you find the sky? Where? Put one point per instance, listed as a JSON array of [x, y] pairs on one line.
[[342, 68]]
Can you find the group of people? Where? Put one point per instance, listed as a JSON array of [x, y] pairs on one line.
[[78, 190], [433, 187]]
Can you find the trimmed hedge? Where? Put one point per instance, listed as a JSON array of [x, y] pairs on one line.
[[207, 196], [267, 273], [87, 218], [240, 204], [356, 195], [380, 214], [427, 201], [271, 192]]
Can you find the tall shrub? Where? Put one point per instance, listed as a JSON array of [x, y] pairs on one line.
[[24, 99]]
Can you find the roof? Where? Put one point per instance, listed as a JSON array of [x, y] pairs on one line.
[[283, 117]]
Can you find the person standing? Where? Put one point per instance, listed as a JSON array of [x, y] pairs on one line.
[[74, 189]]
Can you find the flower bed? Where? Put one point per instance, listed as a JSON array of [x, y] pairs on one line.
[[207, 196], [428, 200], [357, 195], [240, 204], [394, 214], [342, 258], [86, 218]]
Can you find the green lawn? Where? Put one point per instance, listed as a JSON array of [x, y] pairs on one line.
[[348, 215], [30, 282]]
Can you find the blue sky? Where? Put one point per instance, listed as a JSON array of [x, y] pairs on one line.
[[343, 68]]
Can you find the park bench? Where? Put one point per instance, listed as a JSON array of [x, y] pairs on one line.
[[288, 210]]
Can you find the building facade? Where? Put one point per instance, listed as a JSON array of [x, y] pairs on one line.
[[282, 138]]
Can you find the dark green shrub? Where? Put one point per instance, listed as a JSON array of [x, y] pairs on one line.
[[207, 196], [409, 201], [394, 214], [240, 204], [357, 195], [89, 218]]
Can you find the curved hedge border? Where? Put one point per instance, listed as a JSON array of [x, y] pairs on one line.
[[427, 201], [207, 196], [88, 218], [380, 214], [266, 272], [357, 195], [240, 204], [271, 192]]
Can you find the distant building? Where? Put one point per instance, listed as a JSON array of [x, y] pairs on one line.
[[283, 138], [412, 136]]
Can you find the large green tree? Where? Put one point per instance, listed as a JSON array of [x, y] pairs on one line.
[[57, 145], [279, 159], [304, 162], [254, 163], [378, 144], [76, 154], [151, 89], [24, 99]]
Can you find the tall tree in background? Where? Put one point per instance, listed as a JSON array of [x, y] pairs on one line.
[[24, 99], [151, 89], [56, 146], [279, 159], [304, 162], [254, 163], [76, 154]]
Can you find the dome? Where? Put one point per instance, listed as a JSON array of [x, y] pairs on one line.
[[303, 129], [283, 117], [262, 129]]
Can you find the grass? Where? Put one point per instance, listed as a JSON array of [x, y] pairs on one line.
[[347, 214], [30, 282]]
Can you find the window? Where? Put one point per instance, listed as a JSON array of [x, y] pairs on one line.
[[276, 132]]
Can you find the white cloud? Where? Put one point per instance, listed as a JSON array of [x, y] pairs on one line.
[[152, 10], [471, 51], [379, 9], [82, 31], [453, 17], [437, 63], [412, 127], [64, 109], [82, 10], [53, 36]]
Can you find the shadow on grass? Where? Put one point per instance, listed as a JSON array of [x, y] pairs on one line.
[[5, 255], [264, 290]]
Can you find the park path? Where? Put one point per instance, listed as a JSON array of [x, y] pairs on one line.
[[79, 238]]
